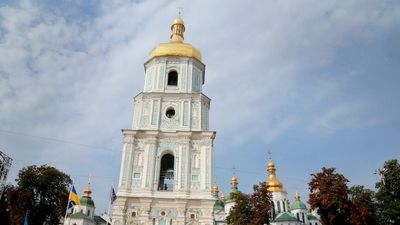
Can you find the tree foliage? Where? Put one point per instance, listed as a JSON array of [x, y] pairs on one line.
[[388, 194], [251, 209], [42, 192], [329, 196], [240, 213], [261, 204], [363, 206]]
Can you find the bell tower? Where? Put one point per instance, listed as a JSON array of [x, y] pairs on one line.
[[166, 168]]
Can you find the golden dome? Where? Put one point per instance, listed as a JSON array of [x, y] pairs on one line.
[[297, 196], [234, 181], [176, 46], [215, 190], [223, 197], [87, 191], [274, 185]]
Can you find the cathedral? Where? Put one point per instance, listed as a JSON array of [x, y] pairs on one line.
[[167, 160]]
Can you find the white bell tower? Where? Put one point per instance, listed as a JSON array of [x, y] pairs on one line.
[[166, 168]]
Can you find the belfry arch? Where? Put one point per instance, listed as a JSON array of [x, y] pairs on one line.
[[167, 174]]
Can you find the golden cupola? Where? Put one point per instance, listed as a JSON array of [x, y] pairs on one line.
[[274, 185], [234, 181], [215, 190], [176, 46]]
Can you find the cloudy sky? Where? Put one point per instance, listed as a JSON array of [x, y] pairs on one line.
[[317, 83]]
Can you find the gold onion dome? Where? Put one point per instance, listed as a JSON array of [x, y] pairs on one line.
[[274, 185], [176, 46], [215, 190], [223, 197], [234, 181], [87, 191]]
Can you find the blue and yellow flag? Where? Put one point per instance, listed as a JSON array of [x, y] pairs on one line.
[[73, 196]]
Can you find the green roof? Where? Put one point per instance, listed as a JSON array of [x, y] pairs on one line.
[[85, 200], [297, 204], [311, 217], [219, 205], [284, 217], [234, 191]]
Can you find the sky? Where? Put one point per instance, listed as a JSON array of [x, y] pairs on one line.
[[317, 83]]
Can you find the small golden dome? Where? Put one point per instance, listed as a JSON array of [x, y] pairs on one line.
[[87, 191], [274, 185], [176, 46], [297, 196], [178, 21], [215, 190], [223, 197], [234, 181]]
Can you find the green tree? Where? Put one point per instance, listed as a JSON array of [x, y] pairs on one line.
[[363, 206], [240, 213], [254, 209], [388, 194], [329, 195], [261, 204], [40, 191]]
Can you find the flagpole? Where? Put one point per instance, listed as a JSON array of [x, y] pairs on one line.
[[66, 210]]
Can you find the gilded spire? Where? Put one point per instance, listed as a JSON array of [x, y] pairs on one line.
[[177, 28], [215, 190], [176, 47], [274, 185], [87, 191], [297, 196], [234, 181]]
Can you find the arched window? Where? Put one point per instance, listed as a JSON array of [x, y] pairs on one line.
[[166, 181], [172, 78], [284, 206]]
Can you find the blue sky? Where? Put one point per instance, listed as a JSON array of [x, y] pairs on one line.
[[314, 82]]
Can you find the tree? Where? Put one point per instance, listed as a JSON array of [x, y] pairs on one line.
[[329, 195], [261, 204], [363, 206], [254, 209], [388, 194], [42, 192], [3, 206], [241, 212]]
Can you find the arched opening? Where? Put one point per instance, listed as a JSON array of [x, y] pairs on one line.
[[172, 78], [166, 181]]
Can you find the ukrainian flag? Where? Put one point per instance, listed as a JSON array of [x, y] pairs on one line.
[[73, 196]]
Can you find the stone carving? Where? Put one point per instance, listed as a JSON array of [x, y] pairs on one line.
[[145, 114], [196, 79], [155, 112], [166, 145], [161, 76], [149, 79], [173, 122], [183, 77], [195, 114], [163, 213]]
